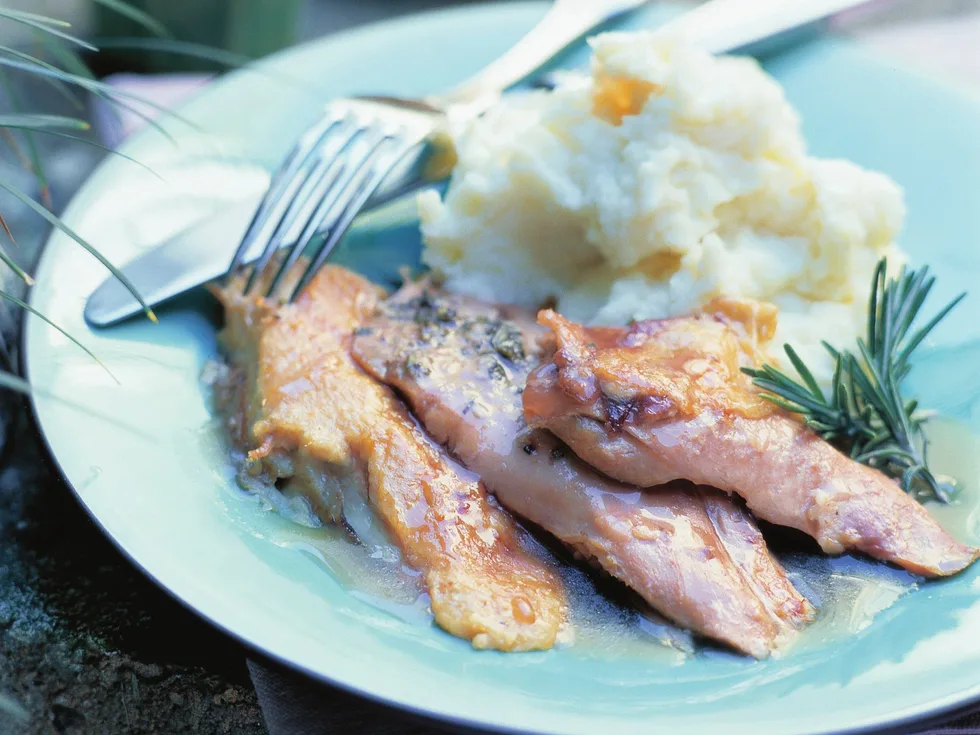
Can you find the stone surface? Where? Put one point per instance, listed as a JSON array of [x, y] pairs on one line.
[[87, 643]]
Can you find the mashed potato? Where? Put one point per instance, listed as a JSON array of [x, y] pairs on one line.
[[666, 178]]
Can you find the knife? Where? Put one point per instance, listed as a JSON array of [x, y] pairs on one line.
[[202, 252]]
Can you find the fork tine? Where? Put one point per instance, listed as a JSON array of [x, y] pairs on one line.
[[317, 183], [337, 196], [358, 193], [284, 180]]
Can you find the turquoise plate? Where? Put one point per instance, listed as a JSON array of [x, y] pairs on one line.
[[145, 457]]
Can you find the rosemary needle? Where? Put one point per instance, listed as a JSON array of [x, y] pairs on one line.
[[863, 412]]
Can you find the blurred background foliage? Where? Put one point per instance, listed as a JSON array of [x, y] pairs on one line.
[[247, 28]]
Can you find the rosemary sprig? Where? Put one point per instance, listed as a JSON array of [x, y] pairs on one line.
[[863, 412]]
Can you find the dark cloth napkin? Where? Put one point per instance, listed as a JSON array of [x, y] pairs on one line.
[[296, 705]]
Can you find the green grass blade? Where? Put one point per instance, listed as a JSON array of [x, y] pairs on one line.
[[93, 85], [44, 24], [200, 51], [57, 222], [27, 307], [21, 273], [107, 149], [6, 229], [36, 122], [182, 48], [22, 157], [58, 86], [80, 69], [33, 156], [35, 17], [107, 93], [69, 60], [138, 16], [148, 119]]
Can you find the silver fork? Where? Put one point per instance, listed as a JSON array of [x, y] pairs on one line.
[[325, 181], [339, 162]]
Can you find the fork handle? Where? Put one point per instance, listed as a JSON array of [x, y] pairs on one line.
[[716, 25], [565, 22]]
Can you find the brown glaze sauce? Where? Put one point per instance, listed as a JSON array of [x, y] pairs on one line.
[[661, 369]]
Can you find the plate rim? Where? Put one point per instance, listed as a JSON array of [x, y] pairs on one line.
[[924, 715]]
